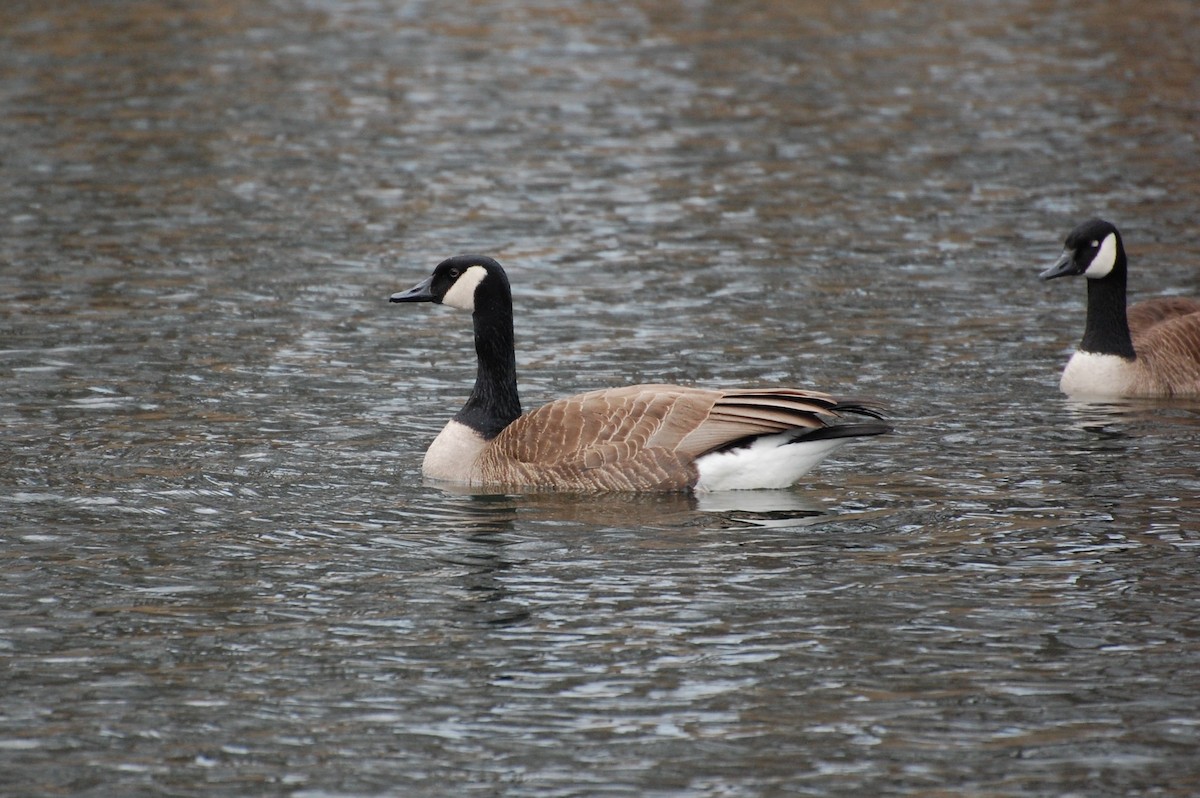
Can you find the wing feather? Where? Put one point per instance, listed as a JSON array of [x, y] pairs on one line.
[[645, 436], [1169, 355], [1145, 315]]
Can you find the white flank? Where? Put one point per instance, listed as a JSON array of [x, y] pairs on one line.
[[769, 462], [452, 454], [462, 294], [1093, 374], [1105, 259]]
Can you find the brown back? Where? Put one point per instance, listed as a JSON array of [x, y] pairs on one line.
[[641, 437], [1168, 351]]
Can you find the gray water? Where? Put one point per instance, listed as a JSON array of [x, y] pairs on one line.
[[222, 574]]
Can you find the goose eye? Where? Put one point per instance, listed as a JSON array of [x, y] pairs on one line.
[[454, 272], [1095, 244]]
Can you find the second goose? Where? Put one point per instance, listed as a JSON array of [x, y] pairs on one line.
[[1151, 349], [636, 438]]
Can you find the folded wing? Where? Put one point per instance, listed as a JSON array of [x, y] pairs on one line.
[[648, 436]]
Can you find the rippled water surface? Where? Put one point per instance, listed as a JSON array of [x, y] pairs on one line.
[[222, 574]]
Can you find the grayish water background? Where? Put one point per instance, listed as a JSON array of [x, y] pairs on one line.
[[223, 576]]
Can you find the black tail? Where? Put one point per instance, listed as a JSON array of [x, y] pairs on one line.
[[842, 431], [861, 407]]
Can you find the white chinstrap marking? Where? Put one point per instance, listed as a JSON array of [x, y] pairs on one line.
[[1095, 374], [1105, 259], [769, 462], [462, 294]]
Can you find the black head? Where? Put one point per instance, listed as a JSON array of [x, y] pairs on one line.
[[459, 282], [1092, 249]]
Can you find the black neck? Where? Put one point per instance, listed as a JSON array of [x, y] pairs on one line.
[[1107, 330], [494, 403]]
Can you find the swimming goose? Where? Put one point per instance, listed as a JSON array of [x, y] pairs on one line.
[[1151, 349], [637, 438]]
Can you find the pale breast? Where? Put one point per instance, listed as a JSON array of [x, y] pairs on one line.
[[454, 453], [1092, 374]]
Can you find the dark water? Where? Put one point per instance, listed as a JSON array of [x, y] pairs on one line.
[[223, 576]]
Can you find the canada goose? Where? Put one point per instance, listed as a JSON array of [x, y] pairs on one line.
[[1151, 349], [637, 438]]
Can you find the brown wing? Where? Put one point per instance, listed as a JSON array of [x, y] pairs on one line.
[[1145, 315], [643, 436], [739, 413], [1169, 354]]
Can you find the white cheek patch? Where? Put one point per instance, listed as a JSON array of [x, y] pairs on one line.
[[1105, 258], [462, 294]]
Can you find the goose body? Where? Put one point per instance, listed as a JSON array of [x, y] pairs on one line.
[[635, 438], [1150, 349]]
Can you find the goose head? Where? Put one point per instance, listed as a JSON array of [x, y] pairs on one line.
[[1092, 249], [466, 282]]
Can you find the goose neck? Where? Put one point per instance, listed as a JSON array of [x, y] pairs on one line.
[[494, 402], [1107, 328]]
